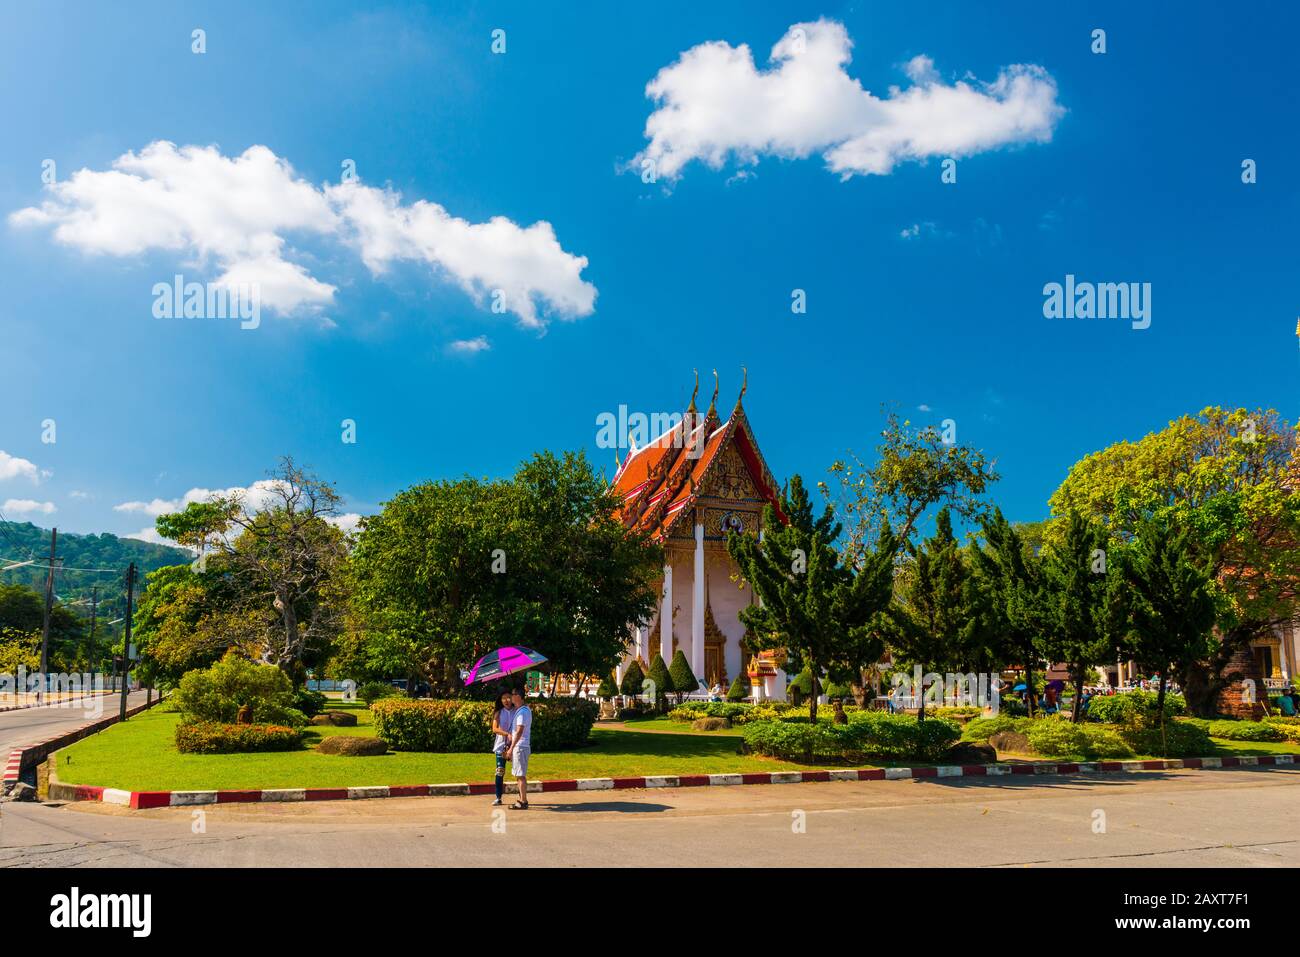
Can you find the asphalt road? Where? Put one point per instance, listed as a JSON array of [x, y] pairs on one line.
[[29, 725], [1239, 817]]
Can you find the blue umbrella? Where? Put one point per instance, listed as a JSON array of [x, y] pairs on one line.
[[1020, 688]]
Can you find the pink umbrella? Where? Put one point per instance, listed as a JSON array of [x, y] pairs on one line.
[[502, 662]]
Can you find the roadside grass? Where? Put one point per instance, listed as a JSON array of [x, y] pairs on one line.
[[141, 755]]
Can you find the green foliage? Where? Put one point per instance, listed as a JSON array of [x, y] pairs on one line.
[[803, 682], [559, 724], [216, 694], [693, 710], [372, 691], [211, 737], [663, 680], [1246, 731], [19, 649], [1133, 707], [1176, 739], [822, 609], [633, 678], [608, 687], [981, 729], [310, 703], [868, 734], [739, 690], [684, 680]]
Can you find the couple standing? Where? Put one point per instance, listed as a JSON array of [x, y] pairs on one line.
[[512, 723]]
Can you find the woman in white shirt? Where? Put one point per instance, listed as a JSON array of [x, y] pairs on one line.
[[503, 723]]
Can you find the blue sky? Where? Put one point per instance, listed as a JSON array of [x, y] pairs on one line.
[[1140, 181]]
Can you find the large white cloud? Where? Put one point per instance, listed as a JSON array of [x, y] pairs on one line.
[[255, 498], [713, 104], [11, 466], [236, 215]]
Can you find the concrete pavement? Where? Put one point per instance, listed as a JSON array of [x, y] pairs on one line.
[[1243, 817], [27, 725]]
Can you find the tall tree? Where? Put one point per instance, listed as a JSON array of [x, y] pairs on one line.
[[936, 612], [1170, 600], [1079, 592], [811, 603], [917, 470], [1231, 480], [1010, 573]]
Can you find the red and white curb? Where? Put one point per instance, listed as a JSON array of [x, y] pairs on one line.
[[151, 799], [28, 756]]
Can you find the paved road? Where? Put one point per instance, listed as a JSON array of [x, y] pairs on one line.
[[29, 725], [1237, 817]]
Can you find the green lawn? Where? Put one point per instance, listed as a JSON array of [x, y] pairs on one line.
[[141, 756], [677, 727]]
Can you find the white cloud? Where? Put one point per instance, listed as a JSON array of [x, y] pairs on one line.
[[234, 215], [469, 347], [13, 467], [923, 408], [27, 506], [149, 534], [347, 522], [255, 497], [78, 494], [518, 269], [714, 104]]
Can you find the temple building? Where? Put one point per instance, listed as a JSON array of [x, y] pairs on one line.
[[690, 487]]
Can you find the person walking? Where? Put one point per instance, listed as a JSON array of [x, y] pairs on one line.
[[503, 724], [521, 746]]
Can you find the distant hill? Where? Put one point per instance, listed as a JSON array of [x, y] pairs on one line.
[[23, 541]]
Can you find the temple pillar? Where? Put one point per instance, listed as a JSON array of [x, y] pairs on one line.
[[697, 605], [666, 617]]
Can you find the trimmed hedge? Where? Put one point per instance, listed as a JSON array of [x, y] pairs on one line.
[[693, 710], [1133, 707], [213, 737], [684, 680], [466, 726], [633, 678], [216, 694], [1059, 737], [868, 733], [739, 690], [1181, 739], [1245, 731]]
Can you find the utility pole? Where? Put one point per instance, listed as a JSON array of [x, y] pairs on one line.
[[94, 607], [126, 640], [45, 625]]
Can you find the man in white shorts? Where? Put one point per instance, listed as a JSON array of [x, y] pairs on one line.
[[520, 747]]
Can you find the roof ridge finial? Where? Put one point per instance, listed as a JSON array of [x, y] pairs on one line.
[[713, 403], [744, 384], [691, 407]]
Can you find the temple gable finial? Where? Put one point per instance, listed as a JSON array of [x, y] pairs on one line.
[[713, 403], [744, 384], [691, 407]]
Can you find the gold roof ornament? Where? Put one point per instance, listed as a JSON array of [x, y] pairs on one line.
[[744, 384], [713, 403], [691, 407]]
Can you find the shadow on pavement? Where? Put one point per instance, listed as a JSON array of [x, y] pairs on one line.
[[623, 807]]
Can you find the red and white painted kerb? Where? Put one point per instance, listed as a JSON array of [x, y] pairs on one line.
[[30, 755], [153, 799]]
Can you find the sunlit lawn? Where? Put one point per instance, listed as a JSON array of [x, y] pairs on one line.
[[141, 756]]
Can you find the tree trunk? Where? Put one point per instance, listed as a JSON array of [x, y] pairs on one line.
[[1160, 697], [1078, 695], [920, 693], [812, 704], [1029, 684]]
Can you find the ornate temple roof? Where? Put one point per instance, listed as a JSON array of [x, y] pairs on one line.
[[662, 481]]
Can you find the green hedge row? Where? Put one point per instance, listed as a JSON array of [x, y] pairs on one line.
[[868, 734], [1131, 707], [1060, 737], [212, 737], [559, 724]]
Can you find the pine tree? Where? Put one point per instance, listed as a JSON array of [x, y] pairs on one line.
[[936, 614], [633, 678], [818, 608], [739, 690], [662, 678], [684, 680], [1010, 577]]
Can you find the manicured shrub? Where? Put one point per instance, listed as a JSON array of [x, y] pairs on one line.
[[214, 737], [1055, 738], [1245, 731], [216, 694], [352, 746], [310, 703], [608, 688], [739, 690], [465, 726], [710, 724], [633, 679], [373, 691], [693, 710], [663, 681], [1133, 707], [1179, 739], [684, 680], [981, 729], [868, 733]]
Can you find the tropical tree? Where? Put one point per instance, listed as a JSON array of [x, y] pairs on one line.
[[1081, 587], [1170, 602], [825, 611], [1231, 480]]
